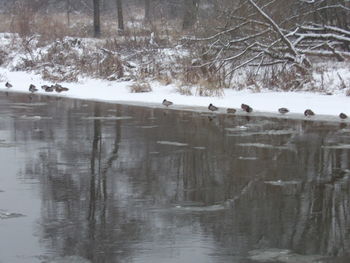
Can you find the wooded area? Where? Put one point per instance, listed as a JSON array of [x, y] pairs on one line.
[[224, 35]]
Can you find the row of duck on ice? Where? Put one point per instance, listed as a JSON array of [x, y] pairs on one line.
[[59, 88], [248, 109], [32, 88]]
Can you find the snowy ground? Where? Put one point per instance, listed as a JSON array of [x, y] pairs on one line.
[[326, 107]]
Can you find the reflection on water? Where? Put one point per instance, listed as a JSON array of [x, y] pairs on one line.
[[110, 183]]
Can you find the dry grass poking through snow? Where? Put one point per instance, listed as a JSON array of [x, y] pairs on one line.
[[139, 87]]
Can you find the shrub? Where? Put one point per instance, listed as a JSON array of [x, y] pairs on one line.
[[139, 87], [184, 90]]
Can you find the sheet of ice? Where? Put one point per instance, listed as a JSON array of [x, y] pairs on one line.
[[282, 183], [117, 118], [262, 145], [67, 259], [199, 147], [267, 132], [6, 215], [237, 129], [338, 146], [149, 127], [35, 117], [114, 91], [6, 144], [172, 143], [283, 255], [29, 104], [247, 158], [210, 208]]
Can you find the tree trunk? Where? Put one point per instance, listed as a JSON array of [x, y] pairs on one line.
[[120, 15], [190, 13], [97, 26], [147, 10], [68, 12]]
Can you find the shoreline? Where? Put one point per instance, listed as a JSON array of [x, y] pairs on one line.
[[264, 104], [201, 109]]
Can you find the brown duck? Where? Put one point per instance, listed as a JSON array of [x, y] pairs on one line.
[[246, 108], [309, 112]]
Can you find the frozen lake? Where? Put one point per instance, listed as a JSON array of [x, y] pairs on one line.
[[94, 182]]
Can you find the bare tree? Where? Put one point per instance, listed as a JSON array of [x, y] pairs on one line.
[[120, 15], [256, 33], [68, 9], [147, 10], [97, 25], [190, 13]]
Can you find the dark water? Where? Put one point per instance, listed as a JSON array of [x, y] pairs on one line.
[[92, 182]]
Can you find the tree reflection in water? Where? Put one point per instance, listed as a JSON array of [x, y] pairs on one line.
[[111, 193]]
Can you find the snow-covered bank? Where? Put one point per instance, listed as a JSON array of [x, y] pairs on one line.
[[263, 103]]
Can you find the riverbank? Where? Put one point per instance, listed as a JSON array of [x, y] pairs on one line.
[[326, 107]]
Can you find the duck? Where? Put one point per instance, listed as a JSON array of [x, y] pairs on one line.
[[283, 110], [231, 110], [343, 116], [48, 88], [309, 112], [212, 107], [8, 85], [246, 108], [167, 103], [59, 88], [32, 88]]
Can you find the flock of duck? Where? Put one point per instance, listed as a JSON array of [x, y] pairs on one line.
[[32, 88], [248, 109], [59, 88]]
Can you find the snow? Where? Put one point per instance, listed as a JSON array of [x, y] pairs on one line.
[[265, 103]]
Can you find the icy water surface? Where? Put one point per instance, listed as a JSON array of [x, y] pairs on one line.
[[92, 182]]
